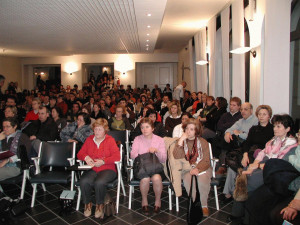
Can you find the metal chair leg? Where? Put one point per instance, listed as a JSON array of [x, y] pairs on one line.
[[130, 196], [33, 195], [170, 198], [177, 204], [216, 197], [78, 199]]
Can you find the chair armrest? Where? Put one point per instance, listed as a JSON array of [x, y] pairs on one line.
[[80, 162], [35, 158], [71, 160], [36, 164], [215, 159]]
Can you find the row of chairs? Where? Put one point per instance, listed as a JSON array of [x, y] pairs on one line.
[[57, 154]]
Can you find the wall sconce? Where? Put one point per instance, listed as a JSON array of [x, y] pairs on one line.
[[243, 50], [202, 62]]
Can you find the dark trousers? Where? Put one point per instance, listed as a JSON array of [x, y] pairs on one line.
[[98, 181]]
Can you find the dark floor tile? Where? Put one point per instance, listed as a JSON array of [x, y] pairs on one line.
[[44, 217], [105, 220], [219, 215], [210, 221], [123, 210], [86, 221], [181, 212], [45, 198], [28, 221], [36, 210], [149, 222], [163, 218], [73, 217], [135, 205], [150, 211], [227, 208], [133, 218], [54, 204], [56, 221], [178, 222], [54, 188], [117, 222]]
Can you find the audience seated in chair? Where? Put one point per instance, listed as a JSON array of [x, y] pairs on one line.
[[192, 157], [99, 151], [149, 142], [12, 139]]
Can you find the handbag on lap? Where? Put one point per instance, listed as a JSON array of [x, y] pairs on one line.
[[194, 208], [146, 165]]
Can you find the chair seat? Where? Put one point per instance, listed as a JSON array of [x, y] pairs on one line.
[[165, 182], [109, 185], [13, 180], [53, 177]]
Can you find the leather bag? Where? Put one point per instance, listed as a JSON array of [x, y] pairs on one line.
[[146, 165], [194, 208]]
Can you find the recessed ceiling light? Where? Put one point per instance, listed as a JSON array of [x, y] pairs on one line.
[[147, 45], [148, 34], [147, 49], [147, 40], [148, 26], [149, 14]]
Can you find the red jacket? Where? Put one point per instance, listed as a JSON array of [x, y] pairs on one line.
[[108, 151], [31, 116]]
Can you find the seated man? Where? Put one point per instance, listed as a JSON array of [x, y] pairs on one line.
[[225, 122], [43, 129]]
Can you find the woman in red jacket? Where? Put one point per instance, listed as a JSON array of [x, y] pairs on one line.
[[99, 151]]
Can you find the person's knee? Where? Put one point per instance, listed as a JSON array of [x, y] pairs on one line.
[[100, 183], [145, 180], [156, 178]]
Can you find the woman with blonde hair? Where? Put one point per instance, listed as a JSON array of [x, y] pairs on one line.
[[34, 113], [99, 151], [175, 117], [193, 153]]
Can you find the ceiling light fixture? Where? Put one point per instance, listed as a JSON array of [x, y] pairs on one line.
[[147, 45], [147, 40], [148, 26], [149, 14], [202, 62], [243, 50], [148, 34]]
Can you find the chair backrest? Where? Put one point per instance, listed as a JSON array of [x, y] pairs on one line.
[[212, 161], [118, 135], [56, 153]]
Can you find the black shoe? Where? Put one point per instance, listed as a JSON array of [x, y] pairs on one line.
[[227, 200], [145, 210], [231, 218]]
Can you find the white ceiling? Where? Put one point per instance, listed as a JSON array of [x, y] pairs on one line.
[[69, 27]]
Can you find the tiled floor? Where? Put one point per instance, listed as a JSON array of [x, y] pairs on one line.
[[47, 210]]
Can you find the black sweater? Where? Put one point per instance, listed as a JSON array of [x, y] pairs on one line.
[[258, 136]]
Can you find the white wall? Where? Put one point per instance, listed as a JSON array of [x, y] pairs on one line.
[[77, 61], [184, 59], [10, 67]]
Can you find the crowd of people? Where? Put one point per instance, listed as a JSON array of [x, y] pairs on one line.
[[193, 120]]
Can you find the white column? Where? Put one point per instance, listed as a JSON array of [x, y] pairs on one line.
[[212, 55], [238, 61], [225, 52], [203, 69], [192, 67], [276, 83]]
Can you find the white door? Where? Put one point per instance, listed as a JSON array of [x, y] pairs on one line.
[[156, 73]]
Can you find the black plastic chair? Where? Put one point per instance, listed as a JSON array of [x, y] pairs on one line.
[[53, 155], [23, 176]]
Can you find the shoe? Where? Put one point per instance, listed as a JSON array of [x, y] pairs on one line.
[[156, 209], [205, 211], [87, 209], [224, 199], [145, 210], [99, 213], [234, 219]]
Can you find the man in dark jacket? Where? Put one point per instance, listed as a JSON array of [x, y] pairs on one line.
[[43, 129]]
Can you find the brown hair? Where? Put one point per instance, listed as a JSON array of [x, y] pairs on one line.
[[198, 126], [147, 120], [120, 106], [175, 102], [266, 107], [237, 100], [101, 123]]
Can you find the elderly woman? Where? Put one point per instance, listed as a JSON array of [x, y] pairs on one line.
[[10, 111], [149, 142], [77, 131], [33, 114], [99, 151], [12, 139], [193, 153], [174, 118], [119, 122]]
